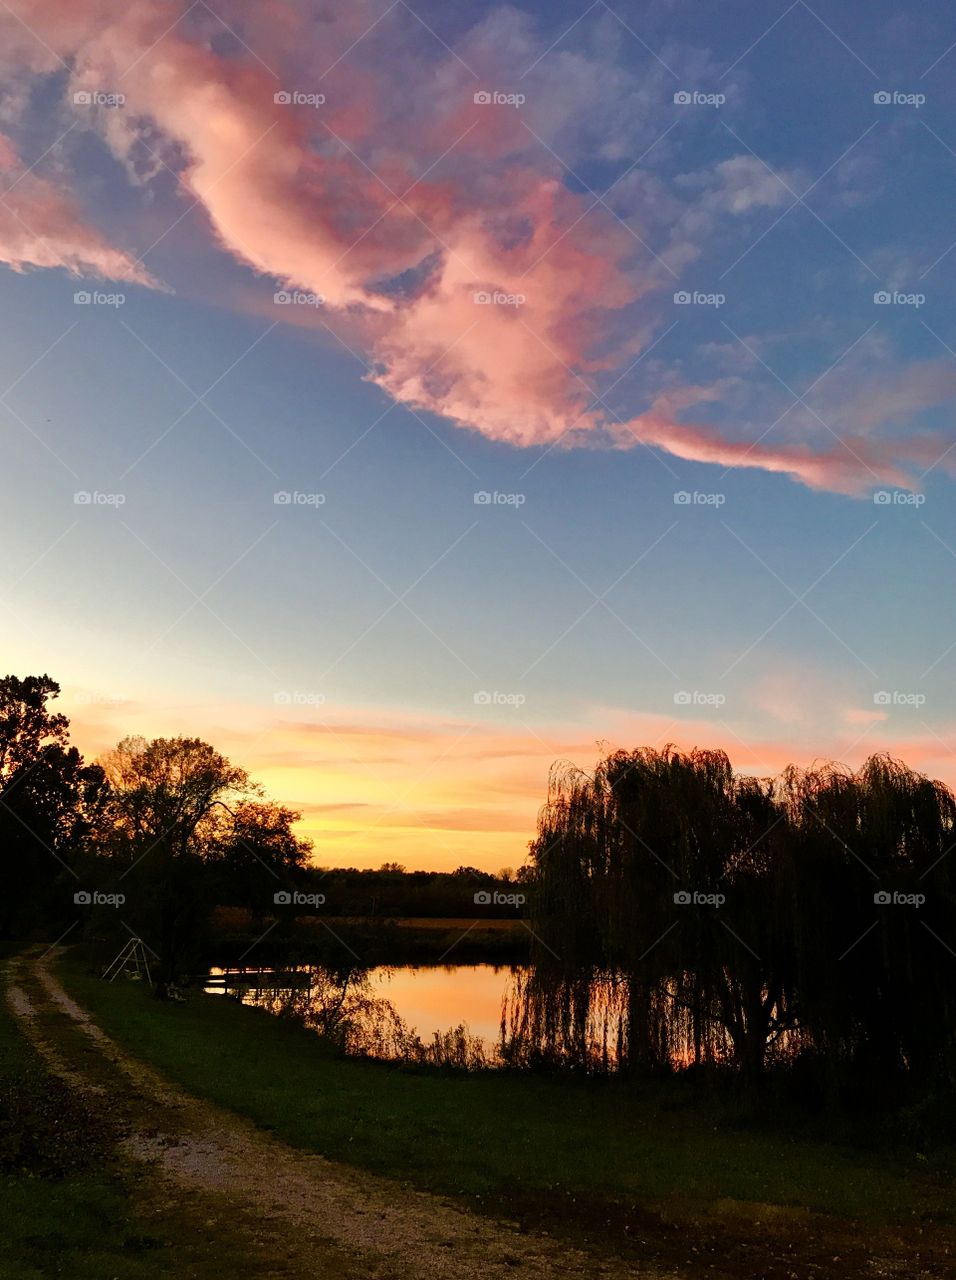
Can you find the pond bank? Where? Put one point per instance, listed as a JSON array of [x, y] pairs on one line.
[[309, 1215], [651, 1174]]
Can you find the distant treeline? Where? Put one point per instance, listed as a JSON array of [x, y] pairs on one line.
[[155, 836], [385, 916], [689, 916], [683, 916], [392, 891]]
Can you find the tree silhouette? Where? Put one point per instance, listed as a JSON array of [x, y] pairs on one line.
[[689, 915], [49, 803], [161, 828]]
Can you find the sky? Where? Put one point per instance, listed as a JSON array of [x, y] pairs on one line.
[[405, 398]]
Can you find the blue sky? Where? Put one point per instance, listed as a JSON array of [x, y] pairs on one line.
[[797, 606]]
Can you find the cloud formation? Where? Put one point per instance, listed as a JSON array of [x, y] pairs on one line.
[[443, 231], [41, 226]]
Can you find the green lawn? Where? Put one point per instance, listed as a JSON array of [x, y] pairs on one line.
[[79, 1228], [71, 1206], [508, 1139]]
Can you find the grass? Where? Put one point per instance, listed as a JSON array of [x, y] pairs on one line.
[[75, 1224], [71, 1206], [510, 1141]]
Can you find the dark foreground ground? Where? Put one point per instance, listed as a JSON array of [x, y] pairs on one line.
[[187, 1143]]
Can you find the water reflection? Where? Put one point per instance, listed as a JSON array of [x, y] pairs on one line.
[[468, 1016], [441, 1014]]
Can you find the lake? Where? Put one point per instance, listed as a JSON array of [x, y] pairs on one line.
[[378, 1010]]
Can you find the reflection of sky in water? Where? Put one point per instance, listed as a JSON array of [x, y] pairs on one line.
[[427, 998], [435, 998]]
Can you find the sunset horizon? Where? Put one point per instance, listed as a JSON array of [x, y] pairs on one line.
[[597, 390], [477, 705], [488, 783]]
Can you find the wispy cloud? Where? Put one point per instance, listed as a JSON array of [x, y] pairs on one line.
[[449, 235], [41, 226]]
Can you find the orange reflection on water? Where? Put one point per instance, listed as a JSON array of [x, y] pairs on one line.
[[438, 997], [427, 998]]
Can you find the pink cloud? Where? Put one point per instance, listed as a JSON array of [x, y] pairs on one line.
[[41, 226], [341, 202], [851, 465]]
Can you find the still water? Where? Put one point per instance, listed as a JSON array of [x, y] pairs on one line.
[[381, 1010]]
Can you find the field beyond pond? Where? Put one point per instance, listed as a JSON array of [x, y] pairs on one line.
[[234, 932]]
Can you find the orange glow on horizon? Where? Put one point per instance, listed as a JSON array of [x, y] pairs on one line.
[[435, 793]]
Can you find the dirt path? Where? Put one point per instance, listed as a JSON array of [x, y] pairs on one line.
[[318, 1217]]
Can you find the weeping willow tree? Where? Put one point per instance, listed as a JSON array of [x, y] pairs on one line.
[[687, 915], [875, 918]]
